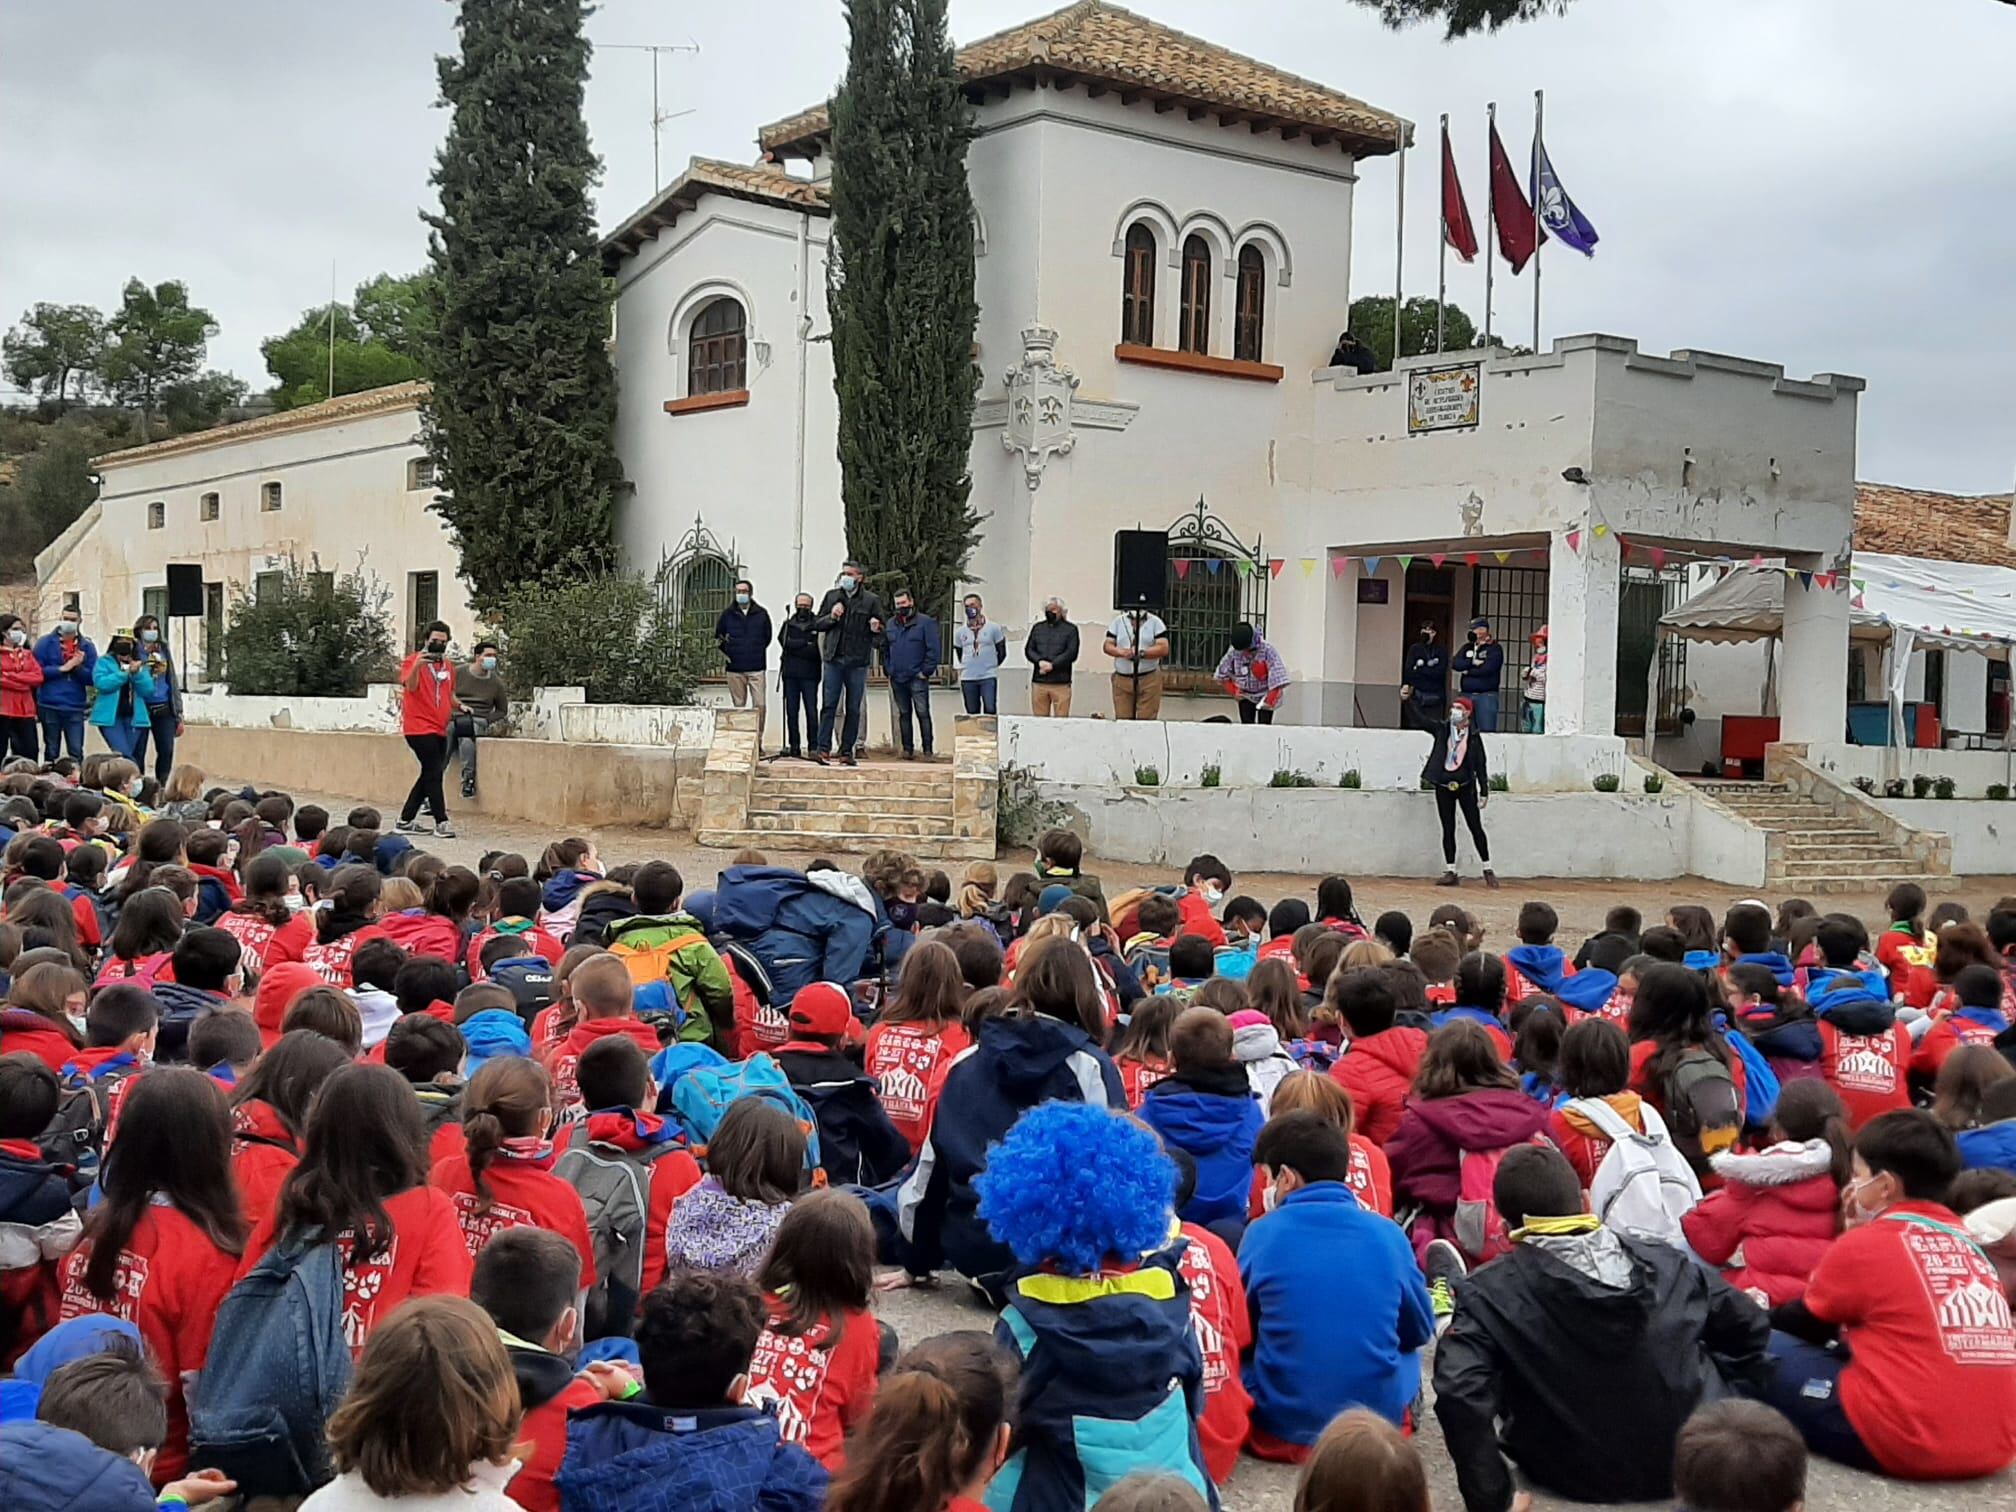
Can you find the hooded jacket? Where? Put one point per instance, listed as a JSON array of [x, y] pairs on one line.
[[1213, 1116], [535, 941], [216, 890], [417, 931], [1378, 1071], [1582, 1356], [634, 1457], [1435, 1133], [48, 1469], [1865, 1055], [23, 1031], [181, 1006], [858, 1145], [1991, 1145], [38, 1227], [548, 1389], [278, 987], [560, 900], [20, 676], [816, 928], [1257, 1047], [563, 1060], [1773, 1219], [1016, 1064], [693, 968], [604, 904]]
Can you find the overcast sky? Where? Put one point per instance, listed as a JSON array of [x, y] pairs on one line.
[[1822, 183]]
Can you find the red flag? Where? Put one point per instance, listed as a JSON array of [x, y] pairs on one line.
[[1456, 228], [1517, 230]]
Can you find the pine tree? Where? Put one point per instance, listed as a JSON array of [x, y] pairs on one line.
[[521, 420], [900, 290]]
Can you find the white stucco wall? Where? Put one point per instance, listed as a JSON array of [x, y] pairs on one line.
[[344, 502], [1983, 833], [559, 714], [1972, 771]]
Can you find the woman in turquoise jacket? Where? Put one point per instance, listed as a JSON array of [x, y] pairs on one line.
[[124, 688]]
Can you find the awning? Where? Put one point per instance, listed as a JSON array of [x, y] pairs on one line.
[[1958, 606]]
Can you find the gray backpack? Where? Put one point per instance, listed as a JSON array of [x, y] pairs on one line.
[[615, 1188]]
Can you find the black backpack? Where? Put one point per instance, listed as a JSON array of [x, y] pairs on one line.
[[1702, 1109]]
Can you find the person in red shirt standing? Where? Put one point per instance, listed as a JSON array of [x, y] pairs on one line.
[[504, 1178], [815, 1364], [939, 1431], [917, 1037], [1923, 1385], [161, 1249], [361, 1179], [427, 678], [270, 1111]]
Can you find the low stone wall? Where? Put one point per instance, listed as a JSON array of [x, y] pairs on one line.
[[1982, 833], [571, 787], [1973, 772]]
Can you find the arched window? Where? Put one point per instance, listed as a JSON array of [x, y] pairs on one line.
[[1248, 336], [703, 586], [1194, 332], [1137, 292], [715, 361]]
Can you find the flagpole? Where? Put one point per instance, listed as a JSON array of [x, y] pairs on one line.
[[1442, 250], [1539, 226], [1399, 233], [1490, 226]]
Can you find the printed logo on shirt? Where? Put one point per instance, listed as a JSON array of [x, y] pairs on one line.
[[363, 1285], [566, 1069], [331, 962], [129, 1281], [905, 1061], [252, 933], [787, 1375], [1967, 1299], [769, 1026], [1618, 1009], [1359, 1177], [1864, 1064], [479, 1228], [1207, 1315]]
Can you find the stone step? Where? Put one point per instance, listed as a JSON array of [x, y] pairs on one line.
[[1832, 834], [847, 784], [1739, 789], [841, 800], [1768, 805], [1821, 886], [1884, 868], [828, 821], [835, 843], [1871, 849]]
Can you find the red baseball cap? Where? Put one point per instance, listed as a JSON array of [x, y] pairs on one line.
[[824, 1008]]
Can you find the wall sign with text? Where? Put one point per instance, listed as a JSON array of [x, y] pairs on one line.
[[1444, 398]]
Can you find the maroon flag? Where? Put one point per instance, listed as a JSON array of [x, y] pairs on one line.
[[1456, 228], [1518, 231]]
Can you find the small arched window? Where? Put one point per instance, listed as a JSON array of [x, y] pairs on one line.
[[1137, 292], [715, 358], [1248, 337], [1194, 332]]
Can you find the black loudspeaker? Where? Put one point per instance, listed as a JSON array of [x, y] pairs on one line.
[[1140, 569], [185, 590]]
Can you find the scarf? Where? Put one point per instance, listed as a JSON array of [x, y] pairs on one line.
[[1551, 1228], [628, 1129], [1459, 748], [528, 1149]]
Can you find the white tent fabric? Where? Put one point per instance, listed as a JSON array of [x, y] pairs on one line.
[[1952, 605]]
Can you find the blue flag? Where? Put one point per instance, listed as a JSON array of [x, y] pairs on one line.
[[1557, 212]]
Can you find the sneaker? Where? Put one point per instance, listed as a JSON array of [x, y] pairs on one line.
[[444, 831], [1444, 1265], [468, 787], [1491, 879], [409, 827], [1449, 879]]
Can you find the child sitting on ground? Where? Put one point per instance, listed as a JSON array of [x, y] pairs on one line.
[[1992, 1146], [939, 1431], [1865, 1054], [1615, 943], [1480, 999], [1594, 1066], [1536, 964], [916, 1038], [1224, 1331], [1338, 1303], [1778, 1022], [858, 1145], [1362, 1463], [1638, 1328], [1112, 1379], [1141, 1050], [1436, 953], [690, 1437], [428, 1054], [38, 1226], [1906, 949], [1974, 1014], [816, 1361], [1381, 1058], [1736, 1456], [755, 1163], [1206, 1108]]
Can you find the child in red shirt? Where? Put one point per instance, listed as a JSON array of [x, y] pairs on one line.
[[1223, 1326], [1926, 1386], [815, 1363], [1595, 1064], [161, 1249], [1141, 1053], [938, 1433], [270, 1111], [1973, 1009], [917, 1037], [363, 1180], [268, 932], [1906, 949], [350, 919], [1380, 1058], [504, 1177]]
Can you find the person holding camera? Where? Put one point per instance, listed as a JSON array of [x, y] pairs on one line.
[[164, 704], [125, 688], [426, 706]]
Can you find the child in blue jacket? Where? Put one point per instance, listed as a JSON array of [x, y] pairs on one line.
[[1339, 1307], [1112, 1378], [1206, 1108]]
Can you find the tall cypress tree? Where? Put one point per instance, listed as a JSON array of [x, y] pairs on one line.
[[522, 417], [899, 286]]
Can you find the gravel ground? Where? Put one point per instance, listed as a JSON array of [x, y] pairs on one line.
[[1257, 1486]]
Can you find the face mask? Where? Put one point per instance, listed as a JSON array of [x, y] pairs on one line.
[[133, 786], [1212, 894], [905, 611], [1852, 1210], [1242, 640], [742, 598], [150, 636], [76, 1021], [17, 637], [972, 613], [489, 664], [1269, 1197], [848, 583], [802, 611], [295, 902], [436, 648], [1052, 615], [1459, 719], [67, 629]]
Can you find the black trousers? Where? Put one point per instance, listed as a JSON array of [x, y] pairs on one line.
[[801, 695], [1252, 713], [17, 738], [431, 751], [1446, 804]]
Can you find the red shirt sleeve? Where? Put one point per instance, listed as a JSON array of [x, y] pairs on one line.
[[1839, 1290], [672, 1177], [290, 941], [444, 1264], [851, 1382]]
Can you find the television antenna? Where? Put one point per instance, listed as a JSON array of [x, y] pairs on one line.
[[659, 116]]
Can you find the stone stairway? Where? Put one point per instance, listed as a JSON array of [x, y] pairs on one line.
[[1814, 849], [935, 810]]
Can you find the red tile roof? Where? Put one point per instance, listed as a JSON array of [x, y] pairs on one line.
[[1939, 526]]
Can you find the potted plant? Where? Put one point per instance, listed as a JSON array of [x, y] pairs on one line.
[[1608, 782], [1350, 779], [1212, 776], [1147, 776]]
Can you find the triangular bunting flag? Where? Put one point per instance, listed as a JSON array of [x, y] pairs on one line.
[[1243, 567], [1857, 602], [1308, 566], [1757, 561], [1469, 559], [1658, 555], [1805, 580], [1338, 564], [1274, 566], [1574, 540], [1602, 531], [1372, 566], [1503, 557], [1405, 562], [1438, 557], [1857, 584], [1182, 567], [1212, 564]]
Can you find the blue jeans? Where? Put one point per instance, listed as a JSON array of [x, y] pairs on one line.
[[913, 696], [1805, 1385], [1486, 705], [161, 726], [1535, 722], [801, 695], [979, 695], [837, 680], [120, 735], [60, 728]]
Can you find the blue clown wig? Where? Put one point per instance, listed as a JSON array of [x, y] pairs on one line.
[[1075, 1186]]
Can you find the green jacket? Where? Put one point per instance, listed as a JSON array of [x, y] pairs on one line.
[[688, 962]]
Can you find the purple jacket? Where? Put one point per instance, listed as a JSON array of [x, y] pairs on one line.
[[1426, 1150]]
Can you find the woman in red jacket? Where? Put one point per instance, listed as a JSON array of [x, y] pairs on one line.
[[1780, 1209], [161, 1249], [504, 1178], [269, 1112], [441, 927], [38, 1019], [268, 932], [350, 919], [20, 676], [427, 703], [363, 1180]]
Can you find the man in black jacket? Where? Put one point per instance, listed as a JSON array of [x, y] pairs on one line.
[[1582, 1352], [743, 634], [850, 629], [798, 664], [1052, 649]]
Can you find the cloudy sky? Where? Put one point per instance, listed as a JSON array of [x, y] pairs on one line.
[[1830, 184]]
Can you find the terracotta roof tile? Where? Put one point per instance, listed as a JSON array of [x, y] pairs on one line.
[[1097, 40], [1939, 526], [761, 182], [393, 396]]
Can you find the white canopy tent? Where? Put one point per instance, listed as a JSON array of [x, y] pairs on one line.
[[1902, 603]]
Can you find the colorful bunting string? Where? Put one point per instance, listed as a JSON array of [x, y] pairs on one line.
[[1338, 564], [1308, 566], [1182, 567], [1274, 566]]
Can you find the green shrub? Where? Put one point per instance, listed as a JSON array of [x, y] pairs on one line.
[[1021, 812], [1351, 779], [1609, 782], [1893, 787], [1866, 785], [620, 636], [1212, 776], [1500, 783], [1283, 778], [1654, 783], [1147, 776], [1999, 792], [1943, 787], [309, 632], [1920, 785]]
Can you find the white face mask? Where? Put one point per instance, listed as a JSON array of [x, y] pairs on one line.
[[1459, 719], [1212, 895], [295, 902], [133, 785], [1269, 1197]]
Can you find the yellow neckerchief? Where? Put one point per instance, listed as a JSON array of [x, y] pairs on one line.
[[1554, 1228]]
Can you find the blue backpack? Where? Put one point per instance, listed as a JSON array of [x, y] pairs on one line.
[[699, 1098], [279, 1365], [1760, 1082]]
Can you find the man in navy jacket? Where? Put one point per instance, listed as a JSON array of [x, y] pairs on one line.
[[743, 634], [1479, 666], [911, 659]]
